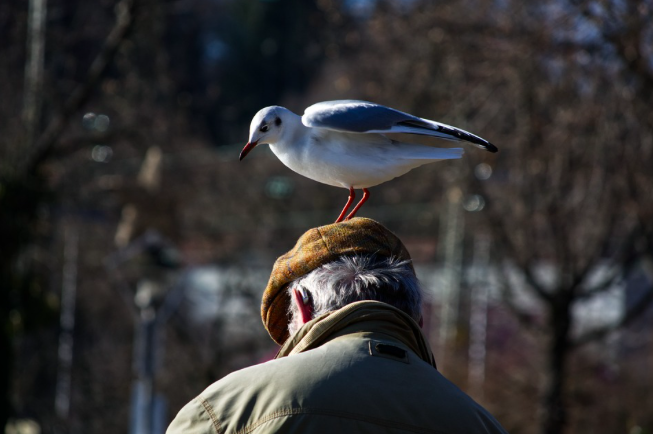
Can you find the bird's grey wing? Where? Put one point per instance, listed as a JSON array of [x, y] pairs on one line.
[[366, 117]]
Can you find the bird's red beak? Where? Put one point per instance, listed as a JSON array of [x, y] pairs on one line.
[[248, 147]]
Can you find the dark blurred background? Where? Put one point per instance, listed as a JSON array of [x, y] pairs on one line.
[[134, 246]]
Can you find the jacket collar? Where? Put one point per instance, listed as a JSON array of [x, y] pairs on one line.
[[362, 316]]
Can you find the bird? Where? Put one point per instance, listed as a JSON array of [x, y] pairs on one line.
[[343, 143]]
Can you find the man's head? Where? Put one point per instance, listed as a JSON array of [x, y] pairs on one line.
[[350, 279], [376, 255]]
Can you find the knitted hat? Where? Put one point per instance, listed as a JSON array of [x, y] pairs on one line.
[[315, 248]]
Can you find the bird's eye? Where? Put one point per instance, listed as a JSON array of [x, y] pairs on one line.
[[264, 128]]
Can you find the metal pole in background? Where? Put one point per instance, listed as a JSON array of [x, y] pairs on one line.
[[67, 322], [452, 235], [144, 362], [478, 317], [157, 294]]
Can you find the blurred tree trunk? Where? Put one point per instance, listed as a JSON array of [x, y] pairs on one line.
[[15, 224], [23, 192], [560, 323], [37, 12]]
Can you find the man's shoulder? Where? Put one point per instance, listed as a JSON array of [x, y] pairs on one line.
[[250, 378], [230, 400]]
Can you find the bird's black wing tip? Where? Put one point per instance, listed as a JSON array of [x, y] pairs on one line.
[[491, 148]]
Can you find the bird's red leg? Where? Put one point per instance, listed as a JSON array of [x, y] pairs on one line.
[[352, 196], [366, 195]]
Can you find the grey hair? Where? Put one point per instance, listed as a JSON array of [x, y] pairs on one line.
[[355, 278]]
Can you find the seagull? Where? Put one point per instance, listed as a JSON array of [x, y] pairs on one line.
[[344, 144]]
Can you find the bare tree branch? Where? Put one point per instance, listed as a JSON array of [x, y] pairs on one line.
[[627, 44], [497, 226], [55, 128], [633, 313], [508, 297]]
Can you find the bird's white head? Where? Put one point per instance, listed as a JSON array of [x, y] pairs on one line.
[[266, 128]]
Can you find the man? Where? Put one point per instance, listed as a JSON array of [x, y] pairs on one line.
[[345, 305]]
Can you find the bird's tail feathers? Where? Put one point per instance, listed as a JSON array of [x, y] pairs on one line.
[[443, 131], [423, 130]]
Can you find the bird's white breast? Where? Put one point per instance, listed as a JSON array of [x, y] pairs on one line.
[[344, 159]]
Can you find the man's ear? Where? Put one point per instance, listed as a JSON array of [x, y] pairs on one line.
[[303, 302]]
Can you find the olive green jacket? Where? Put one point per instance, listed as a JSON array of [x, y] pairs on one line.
[[365, 368]]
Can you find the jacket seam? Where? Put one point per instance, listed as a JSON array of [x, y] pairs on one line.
[[343, 414], [211, 413]]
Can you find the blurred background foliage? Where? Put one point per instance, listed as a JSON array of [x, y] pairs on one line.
[[127, 225]]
